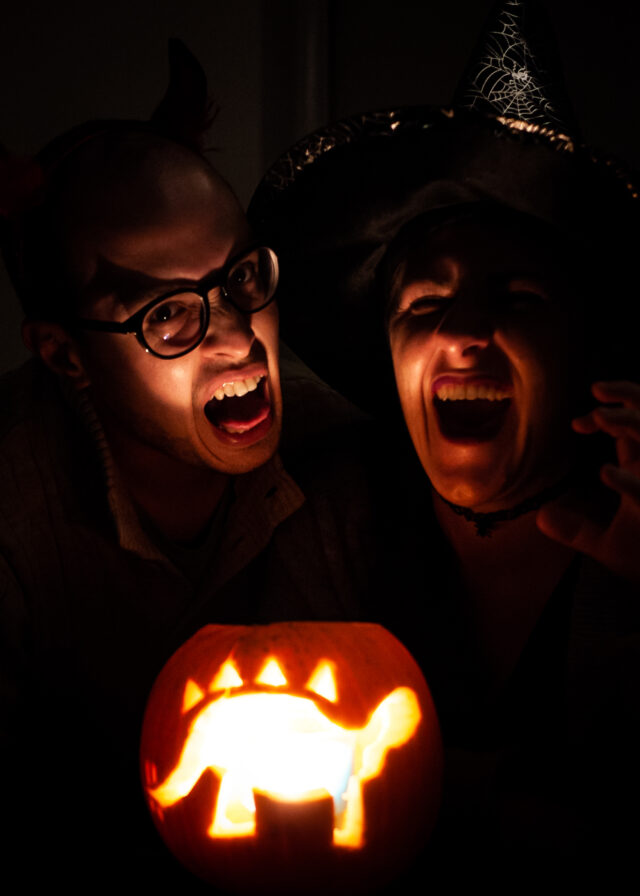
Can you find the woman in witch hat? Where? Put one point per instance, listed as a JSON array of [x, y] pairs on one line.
[[498, 252]]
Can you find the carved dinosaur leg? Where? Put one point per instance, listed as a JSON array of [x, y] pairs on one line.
[[351, 830], [235, 813]]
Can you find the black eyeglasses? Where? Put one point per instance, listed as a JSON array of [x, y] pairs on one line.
[[175, 323]]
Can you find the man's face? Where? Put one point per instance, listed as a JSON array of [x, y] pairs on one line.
[[480, 330], [167, 223]]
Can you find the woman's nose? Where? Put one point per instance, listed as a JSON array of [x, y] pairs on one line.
[[467, 327]]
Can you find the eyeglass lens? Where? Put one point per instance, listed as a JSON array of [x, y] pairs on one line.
[[252, 281], [173, 326]]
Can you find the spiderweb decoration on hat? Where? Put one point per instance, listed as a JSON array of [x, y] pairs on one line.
[[514, 71]]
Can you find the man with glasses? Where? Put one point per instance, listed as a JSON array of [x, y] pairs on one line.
[[141, 495]]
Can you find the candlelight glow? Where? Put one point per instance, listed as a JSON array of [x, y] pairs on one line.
[[285, 746], [192, 696], [227, 677], [323, 682], [271, 674]]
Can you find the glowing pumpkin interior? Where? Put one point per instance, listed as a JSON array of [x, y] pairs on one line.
[[258, 737]]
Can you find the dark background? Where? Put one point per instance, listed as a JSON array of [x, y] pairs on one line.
[[279, 68]]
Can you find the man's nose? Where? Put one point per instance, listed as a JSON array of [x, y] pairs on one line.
[[229, 334]]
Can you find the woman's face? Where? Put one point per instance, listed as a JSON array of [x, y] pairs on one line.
[[486, 346]]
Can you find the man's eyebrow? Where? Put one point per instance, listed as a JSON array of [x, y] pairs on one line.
[[131, 287]]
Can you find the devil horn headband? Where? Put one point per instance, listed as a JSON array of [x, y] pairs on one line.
[[184, 115]]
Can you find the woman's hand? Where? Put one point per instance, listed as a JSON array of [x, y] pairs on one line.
[[616, 545]]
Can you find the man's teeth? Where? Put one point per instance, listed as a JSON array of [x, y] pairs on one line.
[[469, 392], [237, 388]]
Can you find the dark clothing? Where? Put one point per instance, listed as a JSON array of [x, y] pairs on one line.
[[92, 608], [545, 774]]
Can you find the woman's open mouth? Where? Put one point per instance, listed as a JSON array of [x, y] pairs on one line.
[[471, 411], [239, 407]]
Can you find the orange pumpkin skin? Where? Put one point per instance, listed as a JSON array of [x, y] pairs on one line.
[[292, 849]]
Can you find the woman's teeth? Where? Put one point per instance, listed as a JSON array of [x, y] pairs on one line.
[[237, 388], [470, 391]]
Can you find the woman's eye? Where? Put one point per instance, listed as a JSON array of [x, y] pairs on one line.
[[523, 299], [418, 305]]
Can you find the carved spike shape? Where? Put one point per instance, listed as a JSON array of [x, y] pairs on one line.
[[271, 674], [227, 677], [323, 681], [192, 695]]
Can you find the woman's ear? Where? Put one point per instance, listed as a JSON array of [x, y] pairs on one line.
[[57, 349]]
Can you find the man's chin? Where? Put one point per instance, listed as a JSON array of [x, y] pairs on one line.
[[242, 452]]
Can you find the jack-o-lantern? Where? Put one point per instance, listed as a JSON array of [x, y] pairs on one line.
[[293, 757]]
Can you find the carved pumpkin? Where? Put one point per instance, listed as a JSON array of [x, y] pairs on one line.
[[293, 757]]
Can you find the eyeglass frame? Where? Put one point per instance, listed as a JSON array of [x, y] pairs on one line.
[[133, 324]]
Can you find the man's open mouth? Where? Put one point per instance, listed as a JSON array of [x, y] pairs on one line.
[[239, 406], [468, 411]]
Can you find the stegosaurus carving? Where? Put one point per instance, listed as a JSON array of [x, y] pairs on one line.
[[259, 737]]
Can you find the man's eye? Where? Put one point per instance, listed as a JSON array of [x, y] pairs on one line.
[[243, 274], [165, 312]]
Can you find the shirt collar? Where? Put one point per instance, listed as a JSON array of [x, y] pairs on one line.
[[264, 498]]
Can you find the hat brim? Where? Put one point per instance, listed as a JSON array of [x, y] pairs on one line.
[[333, 203]]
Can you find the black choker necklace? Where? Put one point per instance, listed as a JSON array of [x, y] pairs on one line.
[[485, 523]]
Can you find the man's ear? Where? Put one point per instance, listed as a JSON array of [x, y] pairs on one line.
[[57, 349]]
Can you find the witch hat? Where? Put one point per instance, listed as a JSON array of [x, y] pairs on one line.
[[515, 70], [335, 201]]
